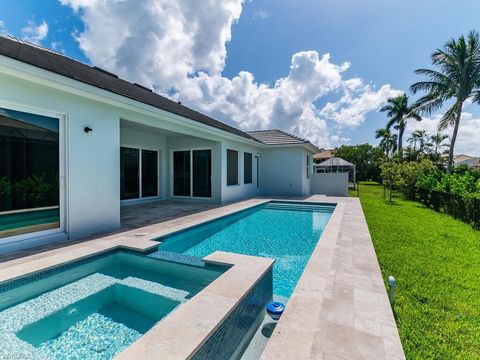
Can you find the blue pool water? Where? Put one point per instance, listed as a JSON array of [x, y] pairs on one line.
[[286, 232], [93, 308]]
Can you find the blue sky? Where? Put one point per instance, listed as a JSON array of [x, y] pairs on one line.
[[383, 42]]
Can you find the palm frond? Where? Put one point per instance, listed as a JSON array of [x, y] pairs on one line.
[[429, 86], [448, 118], [429, 103]]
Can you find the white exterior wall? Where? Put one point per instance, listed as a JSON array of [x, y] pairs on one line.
[[330, 184], [92, 170], [282, 171], [241, 191]]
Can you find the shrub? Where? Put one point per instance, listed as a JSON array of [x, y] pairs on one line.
[[405, 176]]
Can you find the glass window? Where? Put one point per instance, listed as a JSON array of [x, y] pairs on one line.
[[149, 173], [232, 167], [181, 173], [247, 168], [129, 173], [29, 173]]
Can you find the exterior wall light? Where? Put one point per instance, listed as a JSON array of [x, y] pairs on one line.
[[88, 130]]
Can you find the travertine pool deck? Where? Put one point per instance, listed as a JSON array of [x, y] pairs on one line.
[[339, 309]]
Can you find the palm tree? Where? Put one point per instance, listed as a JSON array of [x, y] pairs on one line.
[[389, 141], [399, 112], [420, 137], [437, 142], [457, 78], [414, 139]]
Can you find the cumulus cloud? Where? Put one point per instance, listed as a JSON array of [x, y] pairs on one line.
[[358, 100], [467, 137], [179, 49], [35, 33], [157, 40], [287, 104]]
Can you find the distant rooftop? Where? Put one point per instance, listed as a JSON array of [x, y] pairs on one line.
[[462, 157], [324, 155], [473, 162], [335, 161]]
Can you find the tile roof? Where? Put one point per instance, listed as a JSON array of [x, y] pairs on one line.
[[325, 154], [76, 70], [276, 137]]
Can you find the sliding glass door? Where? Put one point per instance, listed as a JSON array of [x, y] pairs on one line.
[[149, 173], [138, 173], [181, 173], [192, 173], [29, 173], [129, 174]]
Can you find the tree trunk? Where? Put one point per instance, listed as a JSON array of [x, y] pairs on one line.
[[401, 129], [454, 137]]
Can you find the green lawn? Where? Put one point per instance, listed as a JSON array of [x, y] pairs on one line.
[[436, 262]]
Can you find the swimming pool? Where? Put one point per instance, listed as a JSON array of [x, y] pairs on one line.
[[95, 307], [285, 231]]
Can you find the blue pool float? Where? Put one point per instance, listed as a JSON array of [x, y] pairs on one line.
[[275, 309]]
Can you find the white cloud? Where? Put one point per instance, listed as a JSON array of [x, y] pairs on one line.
[[180, 49], [57, 46], [157, 41], [468, 132], [77, 4], [3, 28], [358, 100], [260, 14], [35, 33]]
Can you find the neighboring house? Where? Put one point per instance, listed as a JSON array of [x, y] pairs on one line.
[[323, 155], [76, 142], [472, 162], [458, 159]]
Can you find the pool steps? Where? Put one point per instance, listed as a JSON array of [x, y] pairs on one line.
[[13, 319], [177, 257]]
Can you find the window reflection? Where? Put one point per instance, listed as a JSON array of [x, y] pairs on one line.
[[29, 173]]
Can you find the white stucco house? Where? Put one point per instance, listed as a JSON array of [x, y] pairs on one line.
[[77, 143]]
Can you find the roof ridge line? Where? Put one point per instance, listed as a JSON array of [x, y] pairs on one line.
[[293, 135], [40, 47]]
